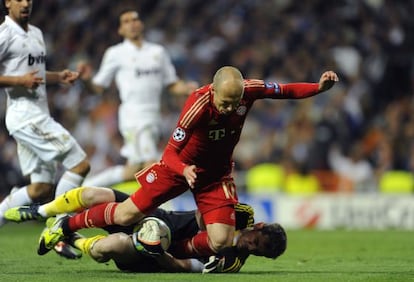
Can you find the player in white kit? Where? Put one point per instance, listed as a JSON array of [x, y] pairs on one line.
[[142, 70], [42, 143]]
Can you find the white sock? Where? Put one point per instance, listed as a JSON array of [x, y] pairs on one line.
[[106, 178], [15, 199], [41, 211], [196, 265], [68, 181]]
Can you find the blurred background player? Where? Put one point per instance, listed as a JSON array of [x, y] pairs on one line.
[[141, 70], [123, 244], [42, 143]]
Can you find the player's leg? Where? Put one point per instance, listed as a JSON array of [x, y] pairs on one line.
[[157, 187], [117, 246], [40, 147], [41, 174], [217, 209], [101, 215], [86, 244], [23, 196], [139, 149], [60, 146], [220, 236], [52, 143], [74, 200], [124, 213], [206, 243], [74, 160]]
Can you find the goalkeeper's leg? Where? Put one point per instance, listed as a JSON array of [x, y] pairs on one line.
[[86, 245], [76, 200], [71, 201], [101, 248]]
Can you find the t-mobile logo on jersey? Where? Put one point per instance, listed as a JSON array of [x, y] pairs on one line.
[[41, 59], [217, 134]]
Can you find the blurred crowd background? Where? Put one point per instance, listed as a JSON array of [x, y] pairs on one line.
[[357, 137]]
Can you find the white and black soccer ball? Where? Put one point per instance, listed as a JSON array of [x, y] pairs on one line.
[[165, 232]]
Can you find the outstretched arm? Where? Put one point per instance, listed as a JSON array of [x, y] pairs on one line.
[[85, 74], [181, 87], [327, 80], [303, 90], [172, 264], [66, 77]]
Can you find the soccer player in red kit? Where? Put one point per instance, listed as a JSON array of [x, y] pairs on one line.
[[198, 156]]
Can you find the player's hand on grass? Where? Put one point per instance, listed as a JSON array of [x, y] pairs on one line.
[[226, 260], [214, 265]]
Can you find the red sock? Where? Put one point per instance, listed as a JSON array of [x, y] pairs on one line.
[[191, 248], [98, 216]]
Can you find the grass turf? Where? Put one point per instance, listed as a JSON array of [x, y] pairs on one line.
[[311, 256]]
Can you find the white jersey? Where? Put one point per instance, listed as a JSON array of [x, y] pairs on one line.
[[20, 53], [141, 74]]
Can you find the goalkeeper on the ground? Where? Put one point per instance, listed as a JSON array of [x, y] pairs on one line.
[[268, 240]]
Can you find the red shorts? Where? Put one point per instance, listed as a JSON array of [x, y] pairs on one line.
[[160, 184], [224, 215]]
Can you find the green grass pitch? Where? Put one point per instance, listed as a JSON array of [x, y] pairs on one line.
[[310, 256]]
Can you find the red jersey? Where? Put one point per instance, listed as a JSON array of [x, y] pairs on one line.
[[206, 138]]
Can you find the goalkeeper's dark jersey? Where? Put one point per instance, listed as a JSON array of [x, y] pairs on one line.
[[182, 224]]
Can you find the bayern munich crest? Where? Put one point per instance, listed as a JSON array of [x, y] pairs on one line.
[[241, 110], [151, 176], [179, 134]]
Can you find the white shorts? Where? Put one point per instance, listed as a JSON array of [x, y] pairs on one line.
[[42, 145], [141, 144]]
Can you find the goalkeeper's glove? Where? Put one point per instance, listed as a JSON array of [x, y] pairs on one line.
[[147, 239], [214, 265], [226, 260]]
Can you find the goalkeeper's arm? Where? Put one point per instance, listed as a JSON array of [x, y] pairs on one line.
[[172, 264]]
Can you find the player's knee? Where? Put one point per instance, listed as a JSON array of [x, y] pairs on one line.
[[102, 251], [125, 219], [82, 168], [124, 215], [220, 241], [94, 196], [40, 192]]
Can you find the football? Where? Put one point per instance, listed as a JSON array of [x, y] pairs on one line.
[[165, 232]]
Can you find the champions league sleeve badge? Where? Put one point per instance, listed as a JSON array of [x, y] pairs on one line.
[[179, 134]]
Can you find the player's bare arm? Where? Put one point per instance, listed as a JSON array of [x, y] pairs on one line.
[[85, 74], [67, 76], [327, 80], [30, 80], [182, 87], [64, 76]]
